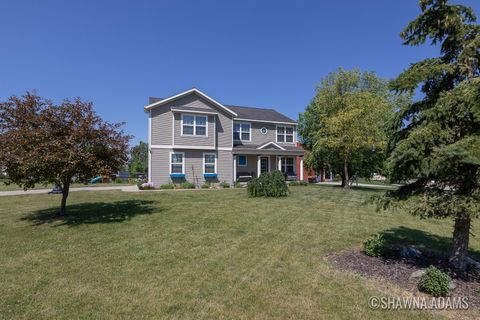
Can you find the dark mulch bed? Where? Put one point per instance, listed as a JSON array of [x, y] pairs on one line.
[[398, 270]]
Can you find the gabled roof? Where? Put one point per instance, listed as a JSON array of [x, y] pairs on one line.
[[185, 93], [260, 114], [271, 145]]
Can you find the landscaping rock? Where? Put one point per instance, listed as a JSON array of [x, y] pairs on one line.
[[452, 285], [410, 252], [417, 274]]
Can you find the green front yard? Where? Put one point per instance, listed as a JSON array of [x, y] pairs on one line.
[[198, 254]]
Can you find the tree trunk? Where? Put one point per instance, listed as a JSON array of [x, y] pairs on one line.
[[345, 173], [461, 235], [65, 190]]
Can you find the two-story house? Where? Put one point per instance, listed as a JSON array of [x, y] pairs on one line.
[[193, 137]]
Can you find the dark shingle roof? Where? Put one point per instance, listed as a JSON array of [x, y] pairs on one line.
[[262, 114]]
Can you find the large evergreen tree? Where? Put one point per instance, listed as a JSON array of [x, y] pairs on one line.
[[436, 144]]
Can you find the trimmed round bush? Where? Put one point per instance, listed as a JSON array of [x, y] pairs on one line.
[[374, 246], [268, 185], [434, 282]]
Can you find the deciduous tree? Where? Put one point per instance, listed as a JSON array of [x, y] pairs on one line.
[[41, 142]]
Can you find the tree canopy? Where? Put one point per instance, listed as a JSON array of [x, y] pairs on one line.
[[345, 125], [436, 142], [46, 143], [138, 161]]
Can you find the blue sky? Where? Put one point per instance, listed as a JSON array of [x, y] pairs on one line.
[[253, 53]]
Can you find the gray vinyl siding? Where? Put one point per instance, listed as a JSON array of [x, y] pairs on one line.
[[271, 136], [162, 119], [203, 141], [161, 126], [193, 166]]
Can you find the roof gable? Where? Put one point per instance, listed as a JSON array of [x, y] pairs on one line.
[[271, 145], [260, 114], [186, 93]]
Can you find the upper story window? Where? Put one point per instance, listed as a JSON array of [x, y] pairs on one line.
[[193, 125], [242, 131], [285, 134]]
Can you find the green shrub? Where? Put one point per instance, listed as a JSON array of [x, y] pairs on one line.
[[374, 246], [434, 282], [268, 185], [167, 186], [206, 185], [187, 185], [224, 184], [298, 183]]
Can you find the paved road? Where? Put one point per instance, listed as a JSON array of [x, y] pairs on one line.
[[44, 191]]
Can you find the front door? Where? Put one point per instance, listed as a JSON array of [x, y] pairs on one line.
[[264, 164]]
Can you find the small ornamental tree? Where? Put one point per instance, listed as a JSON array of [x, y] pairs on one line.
[[435, 147], [45, 143]]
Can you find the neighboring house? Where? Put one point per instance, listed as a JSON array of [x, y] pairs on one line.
[[195, 138]]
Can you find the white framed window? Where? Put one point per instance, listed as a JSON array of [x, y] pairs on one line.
[[242, 131], [288, 165], [242, 160], [209, 163], [285, 134], [177, 162], [194, 125], [264, 130]]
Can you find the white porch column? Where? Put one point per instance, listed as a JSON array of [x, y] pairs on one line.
[[301, 169], [234, 169], [258, 166], [279, 168]]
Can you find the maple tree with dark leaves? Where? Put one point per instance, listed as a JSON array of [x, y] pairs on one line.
[[41, 142]]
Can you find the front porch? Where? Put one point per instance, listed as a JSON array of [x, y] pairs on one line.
[[250, 163]]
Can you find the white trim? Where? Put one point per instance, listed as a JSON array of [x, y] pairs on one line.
[[173, 128], [258, 166], [210, 153], [170, 161], [249, 132], [214, 131], [169, 146], [285, 134], [149, 146], [184, 93], [301, 169], [194, 125], [234, 168], [246, 160], [266, 121], [268, 143], [191, 111]]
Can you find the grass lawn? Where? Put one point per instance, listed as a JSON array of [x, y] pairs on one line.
[[197, 254], [13, 187]]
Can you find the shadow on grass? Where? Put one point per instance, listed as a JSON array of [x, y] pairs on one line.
[[374, 189], [422, 239], [91, 213]]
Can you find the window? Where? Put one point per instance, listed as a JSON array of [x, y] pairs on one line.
[[209, 163], [242, 161], [287, 165], [241, 131], [194, 125], [264, 130], [285, 134], [177, 162]]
